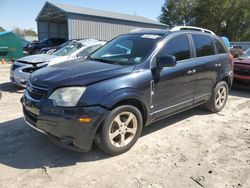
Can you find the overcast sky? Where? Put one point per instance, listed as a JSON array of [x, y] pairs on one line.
[[22, 13]]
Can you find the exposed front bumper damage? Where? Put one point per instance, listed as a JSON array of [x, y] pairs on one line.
[[61, 125], [17, 76]]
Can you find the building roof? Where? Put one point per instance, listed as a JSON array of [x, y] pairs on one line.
[[100, 13]]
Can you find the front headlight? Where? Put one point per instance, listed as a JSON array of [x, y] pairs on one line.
[[67, 96]]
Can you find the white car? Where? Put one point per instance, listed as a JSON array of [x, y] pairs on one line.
[[23, 67]]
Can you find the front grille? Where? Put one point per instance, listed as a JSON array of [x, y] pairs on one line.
[[36, 96], [15, 66], [30, 117], [242, 71], [35, 93], [34, 68]]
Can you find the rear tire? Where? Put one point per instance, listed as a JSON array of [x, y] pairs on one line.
[[120, 130], [219, 98]]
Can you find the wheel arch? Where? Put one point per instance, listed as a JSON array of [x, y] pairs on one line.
[[128, 96], [226, 78], [136, 103]]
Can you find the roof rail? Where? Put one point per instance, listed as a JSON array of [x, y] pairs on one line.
[[178, 28]]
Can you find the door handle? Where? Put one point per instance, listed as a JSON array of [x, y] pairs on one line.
[[190, 72], [217, 64]]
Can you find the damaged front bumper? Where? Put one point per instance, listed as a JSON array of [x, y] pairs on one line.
[[62, 125]]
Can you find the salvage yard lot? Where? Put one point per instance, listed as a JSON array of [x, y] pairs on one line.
[[192, 149]]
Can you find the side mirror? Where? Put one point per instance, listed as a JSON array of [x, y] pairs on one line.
[[165, 61]]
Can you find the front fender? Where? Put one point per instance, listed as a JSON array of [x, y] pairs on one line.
[[124, 94]]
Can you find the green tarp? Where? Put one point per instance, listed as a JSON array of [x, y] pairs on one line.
[[10, 46]]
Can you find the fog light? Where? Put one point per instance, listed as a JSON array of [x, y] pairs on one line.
[[85, 120]]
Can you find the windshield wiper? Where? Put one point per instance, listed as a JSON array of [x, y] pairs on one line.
[[102, 60]]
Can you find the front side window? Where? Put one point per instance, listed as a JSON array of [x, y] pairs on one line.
[[127, 49], [203, 44], [178, 47]]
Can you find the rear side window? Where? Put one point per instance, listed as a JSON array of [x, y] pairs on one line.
[[219, 46], [204, 45], [178, 47]]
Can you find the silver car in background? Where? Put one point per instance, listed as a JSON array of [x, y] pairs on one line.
[[23, 67]]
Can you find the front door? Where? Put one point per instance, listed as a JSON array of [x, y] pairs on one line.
[[173, 87]]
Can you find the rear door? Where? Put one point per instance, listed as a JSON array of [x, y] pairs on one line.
[[224, 56], [207, 66]]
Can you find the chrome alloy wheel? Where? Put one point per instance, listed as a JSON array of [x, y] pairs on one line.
[[221, 97], [123, 129]]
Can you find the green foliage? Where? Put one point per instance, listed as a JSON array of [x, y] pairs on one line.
[[229, 18], [30, 32], [25, 32], [177, 12], [169, 14]]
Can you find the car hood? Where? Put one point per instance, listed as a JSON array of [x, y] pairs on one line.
[[77, 72], [35, 59]]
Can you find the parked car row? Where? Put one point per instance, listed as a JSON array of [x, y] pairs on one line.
[[130, 82], [36, 46], [23, 67], [51, 49]]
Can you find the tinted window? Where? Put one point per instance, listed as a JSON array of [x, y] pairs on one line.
[[219, 46], [178, 47], [204, 45]]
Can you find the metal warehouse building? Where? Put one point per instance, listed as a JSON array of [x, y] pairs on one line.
[[70, 22]]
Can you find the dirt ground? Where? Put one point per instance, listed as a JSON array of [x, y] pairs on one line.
[[192, 149]]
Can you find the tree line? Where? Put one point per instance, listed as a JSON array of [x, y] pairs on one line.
[[21, 32], [230, 18]]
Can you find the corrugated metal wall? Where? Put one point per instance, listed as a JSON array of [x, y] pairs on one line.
[[80, 26]]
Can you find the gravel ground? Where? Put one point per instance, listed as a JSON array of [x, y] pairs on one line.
[[191, 149]]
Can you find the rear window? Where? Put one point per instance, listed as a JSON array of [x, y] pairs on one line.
[[219, 46], [204, 45]]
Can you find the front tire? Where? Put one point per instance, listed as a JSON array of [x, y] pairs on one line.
[[219, 98], [120, 130]]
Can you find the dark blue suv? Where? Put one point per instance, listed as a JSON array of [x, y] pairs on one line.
[[132, 81]]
